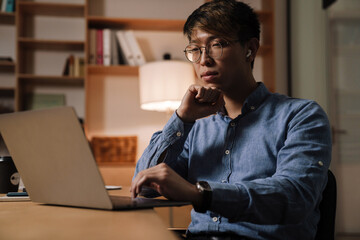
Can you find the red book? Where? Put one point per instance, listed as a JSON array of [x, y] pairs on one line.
[[99, 47]]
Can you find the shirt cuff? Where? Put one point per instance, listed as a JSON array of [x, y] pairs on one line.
[[229, 199], [175, 129]]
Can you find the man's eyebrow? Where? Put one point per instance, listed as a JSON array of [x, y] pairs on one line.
[[210, 38]]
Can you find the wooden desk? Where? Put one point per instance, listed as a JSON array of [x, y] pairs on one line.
[[28, 220]]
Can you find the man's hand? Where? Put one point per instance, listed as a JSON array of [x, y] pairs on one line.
[[200, 102], [166, 182]]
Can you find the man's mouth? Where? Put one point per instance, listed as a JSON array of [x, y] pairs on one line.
[[209, 75]]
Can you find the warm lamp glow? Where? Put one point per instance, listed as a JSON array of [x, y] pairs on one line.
[[164, 83]]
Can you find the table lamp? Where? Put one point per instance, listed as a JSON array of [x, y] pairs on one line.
[[164, 83]]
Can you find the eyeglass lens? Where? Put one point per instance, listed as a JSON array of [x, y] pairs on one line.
[[213, 49]]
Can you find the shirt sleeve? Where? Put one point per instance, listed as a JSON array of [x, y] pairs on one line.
[[294, 191], [171, 139]]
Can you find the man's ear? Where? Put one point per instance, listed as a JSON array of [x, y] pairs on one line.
[[252, 48]]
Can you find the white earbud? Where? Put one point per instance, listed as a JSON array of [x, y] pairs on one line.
[[249, 53]]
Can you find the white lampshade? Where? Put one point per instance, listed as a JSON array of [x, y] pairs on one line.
[[163, 84]]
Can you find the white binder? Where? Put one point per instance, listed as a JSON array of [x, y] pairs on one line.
[[107, 47], [135, 48], [125, 48]]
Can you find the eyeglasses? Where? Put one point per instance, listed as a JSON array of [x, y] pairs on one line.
[[214, 50]]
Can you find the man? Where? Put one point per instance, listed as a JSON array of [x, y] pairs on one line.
[[253, 163]]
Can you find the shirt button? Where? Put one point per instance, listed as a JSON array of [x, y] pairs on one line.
[[232, 124], [178, 134], [227, 152], [215, 219], [320, 163], [252, 108]]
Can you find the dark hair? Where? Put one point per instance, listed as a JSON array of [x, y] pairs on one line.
[[226, 18]]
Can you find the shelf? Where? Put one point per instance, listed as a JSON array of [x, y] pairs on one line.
[[7, 66], [7, 18], [136, 24], [52, 9], [36, 44], [7, 89], [113, 70], [51, 80]]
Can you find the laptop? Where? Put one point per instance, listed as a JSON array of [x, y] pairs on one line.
[[56, 164]]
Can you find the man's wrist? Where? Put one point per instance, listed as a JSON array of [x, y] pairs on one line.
[[180, 114], [203, 202]]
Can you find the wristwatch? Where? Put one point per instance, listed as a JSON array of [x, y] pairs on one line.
[[206, 192]]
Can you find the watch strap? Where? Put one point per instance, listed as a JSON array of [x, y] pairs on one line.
[[206, 193]]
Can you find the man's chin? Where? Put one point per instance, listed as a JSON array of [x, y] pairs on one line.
[[210, 84]]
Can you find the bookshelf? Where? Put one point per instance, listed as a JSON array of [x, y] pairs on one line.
[[32, 45]]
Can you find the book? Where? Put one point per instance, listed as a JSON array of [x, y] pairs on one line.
[[41, 101], [107, 47], [135, 48], [125, 49], [92, 46], [3, 5], [79, 63], [10, 5], [116, 58], [99, 46], [77, 66], [71, 65], [74, 66], [82, 67], [66, 67], [14, 199]]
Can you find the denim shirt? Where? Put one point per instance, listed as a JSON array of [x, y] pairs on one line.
[[267, 168]]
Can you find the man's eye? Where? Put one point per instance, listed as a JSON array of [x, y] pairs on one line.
[[216, 44], [194, 50]]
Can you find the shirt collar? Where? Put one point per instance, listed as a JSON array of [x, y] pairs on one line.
[[253, 101]]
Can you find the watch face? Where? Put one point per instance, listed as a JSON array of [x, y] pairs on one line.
[[203, 186]]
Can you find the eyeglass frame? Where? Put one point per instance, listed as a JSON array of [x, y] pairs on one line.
[[227, 43]]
